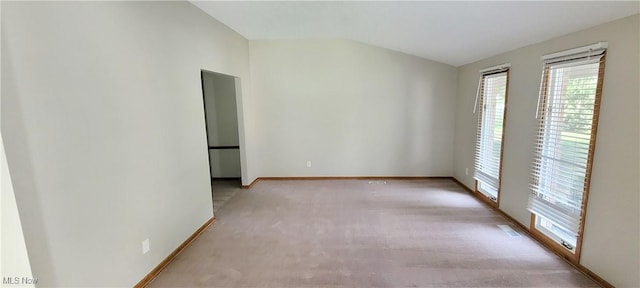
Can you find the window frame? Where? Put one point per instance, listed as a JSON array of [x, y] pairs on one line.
[[550, 241], [500, 69]]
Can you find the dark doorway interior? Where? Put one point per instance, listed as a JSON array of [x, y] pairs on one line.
[[221, 116]]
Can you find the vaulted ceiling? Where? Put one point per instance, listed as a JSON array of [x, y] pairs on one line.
[[453, 32]]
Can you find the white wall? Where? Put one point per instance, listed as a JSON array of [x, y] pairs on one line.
[[104, 131], [351, 109], [611, 234]]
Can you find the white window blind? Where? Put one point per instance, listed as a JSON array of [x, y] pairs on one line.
[[491, 99], [568, 112]]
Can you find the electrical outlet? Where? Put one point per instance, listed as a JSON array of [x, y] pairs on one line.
[[145, 246], [466, 171], [308, 163]]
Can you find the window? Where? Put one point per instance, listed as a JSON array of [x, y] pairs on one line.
[[569, 103], [490, 103]]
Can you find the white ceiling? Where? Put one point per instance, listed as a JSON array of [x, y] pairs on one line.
[[455, 33]]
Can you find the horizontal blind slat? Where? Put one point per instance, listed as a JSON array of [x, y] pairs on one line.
[[564, 143], [491, 101]]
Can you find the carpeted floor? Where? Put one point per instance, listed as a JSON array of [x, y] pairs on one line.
[[361, 233], [223, 190]]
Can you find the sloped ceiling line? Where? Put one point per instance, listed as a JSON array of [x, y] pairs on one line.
[[455, 33]]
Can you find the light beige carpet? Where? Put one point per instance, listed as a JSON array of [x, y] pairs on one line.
[[223, 190], [361, 233]]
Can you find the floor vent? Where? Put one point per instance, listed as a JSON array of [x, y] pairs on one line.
[[507, 229], [378, 182]]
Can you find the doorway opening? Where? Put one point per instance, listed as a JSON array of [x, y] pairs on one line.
[[220, 93]]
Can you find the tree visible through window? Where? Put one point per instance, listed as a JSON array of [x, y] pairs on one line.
[[492, 95], [570, 95]]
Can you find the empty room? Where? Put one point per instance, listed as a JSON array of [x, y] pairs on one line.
[[320, 144]]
